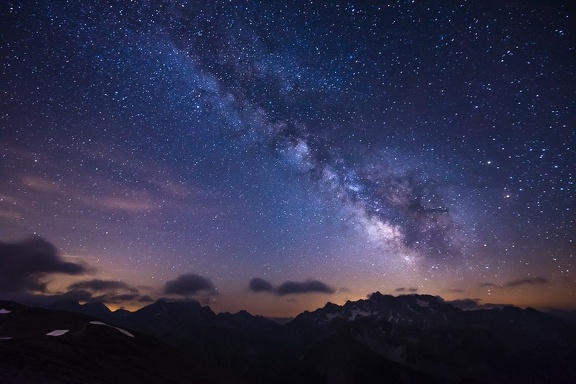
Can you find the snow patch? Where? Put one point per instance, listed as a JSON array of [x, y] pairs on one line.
[[330, 316], [119, 329], [57, 332], [4, 311], [359, 313], [422, 303], [354, 314]]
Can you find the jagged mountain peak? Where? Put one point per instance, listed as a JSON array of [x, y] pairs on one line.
[[176, 312], [416, 309], [331, 306], [97, 306], [165, 306], [122, 312]]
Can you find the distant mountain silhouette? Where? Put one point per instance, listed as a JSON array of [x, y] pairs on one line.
[[95, 309], [404, 339], [566, 315]]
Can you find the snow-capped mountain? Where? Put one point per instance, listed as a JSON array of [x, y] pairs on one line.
[[422, 311]]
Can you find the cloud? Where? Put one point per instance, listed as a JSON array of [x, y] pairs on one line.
[[260, 285], [310, 286], [25, 264], [40, 184], [290, 287], [140, 205], [487, 285], [109, 291], [518, 282], [526, 281], [188, 284], [101, 285], [115, 298], [410, 289], [466, 303], [75, 294], [455, 290], [469, 304], [26, 267]]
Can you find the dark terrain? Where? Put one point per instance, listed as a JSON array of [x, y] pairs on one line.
[[383, 339]]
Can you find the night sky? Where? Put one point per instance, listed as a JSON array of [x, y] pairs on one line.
[[273, 156]]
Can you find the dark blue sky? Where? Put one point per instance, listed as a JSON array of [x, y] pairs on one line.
[[396, 146]]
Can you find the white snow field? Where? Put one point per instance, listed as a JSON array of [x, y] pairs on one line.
[[57, 332], [120, 329]]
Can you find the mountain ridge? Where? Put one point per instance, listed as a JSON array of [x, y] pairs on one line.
[[416, 338]]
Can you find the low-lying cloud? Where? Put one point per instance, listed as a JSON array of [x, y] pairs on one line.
[[260, 285], [487, 285], [98, 285], [189, 284], [26, 268], [290, 287], [526, 281], [409, 289], [24, 265], [517, 282], [470, 304]]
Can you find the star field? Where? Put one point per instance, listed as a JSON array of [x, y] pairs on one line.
[[332, 148]]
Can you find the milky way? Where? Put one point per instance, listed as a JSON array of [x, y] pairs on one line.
[[356, 146]]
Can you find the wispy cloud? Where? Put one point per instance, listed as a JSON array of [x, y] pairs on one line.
[[100, 285], [526, 281], [123, 184], [516, 283]]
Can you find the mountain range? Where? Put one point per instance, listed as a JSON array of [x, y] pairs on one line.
[[381, 339]]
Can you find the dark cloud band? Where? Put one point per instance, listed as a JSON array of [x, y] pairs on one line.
[[290, 287], [189, 284], [100, 285], [24, 264]]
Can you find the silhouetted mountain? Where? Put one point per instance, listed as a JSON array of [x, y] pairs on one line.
[[239, 343], [281, 320], [51, 346], [425, 333], [95, 309], [342, 359], [566, 315], [405, 339], [423, 311], [120, 313]]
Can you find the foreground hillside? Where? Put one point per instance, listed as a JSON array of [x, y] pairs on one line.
[[49, 346], [383, 339]]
